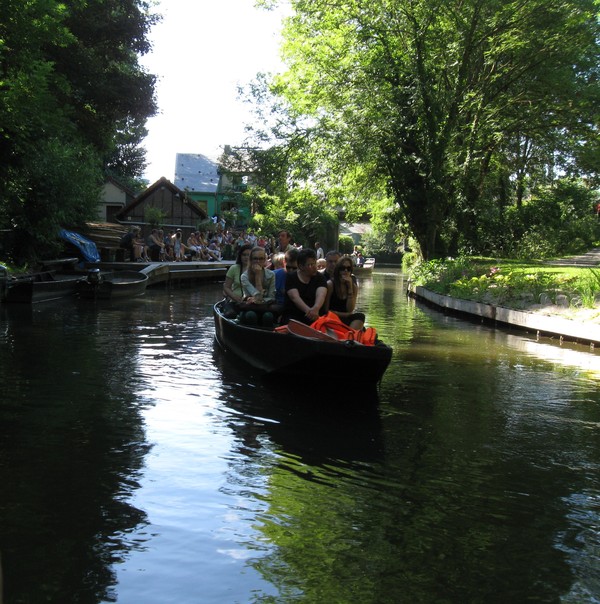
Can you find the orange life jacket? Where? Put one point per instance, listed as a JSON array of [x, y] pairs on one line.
[[333, 325]]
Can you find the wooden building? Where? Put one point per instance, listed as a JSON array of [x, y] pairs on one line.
[[176, 208]]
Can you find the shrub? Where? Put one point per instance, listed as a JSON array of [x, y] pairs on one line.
[[478, 280], [346, 244]]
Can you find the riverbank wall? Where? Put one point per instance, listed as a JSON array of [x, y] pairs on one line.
[[541, 324]]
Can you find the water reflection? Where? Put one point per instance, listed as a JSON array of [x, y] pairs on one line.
[[71, 448], [143, 465]]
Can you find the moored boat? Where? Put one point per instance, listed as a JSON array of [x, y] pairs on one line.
[[364, 269], [301, 350], [41, 287], [107, 286], [57, 280]]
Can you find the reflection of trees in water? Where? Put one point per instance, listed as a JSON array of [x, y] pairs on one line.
[[419, 502], [307, 447], [71, 449], [440, 493]]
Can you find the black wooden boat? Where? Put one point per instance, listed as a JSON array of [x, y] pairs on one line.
[[107, 286], [56, 280], [301, 350], [40, 287]]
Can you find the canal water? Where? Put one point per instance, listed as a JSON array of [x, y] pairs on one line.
[[138, 464]]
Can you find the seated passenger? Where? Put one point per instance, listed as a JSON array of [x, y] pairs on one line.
[[342, 291], [290, 263], [141, 247], [168, 241], [195, 247], [331, 259], [258, 284], [214, 251], [163, 248], [232, 288], [306, 290], [155, 245]]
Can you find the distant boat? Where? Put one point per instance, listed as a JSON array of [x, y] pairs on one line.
[[301, 350], [107, 286], [365, 269]]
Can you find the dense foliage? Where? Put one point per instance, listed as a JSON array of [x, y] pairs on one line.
[[73, 103], [300, 212], [444, 119]]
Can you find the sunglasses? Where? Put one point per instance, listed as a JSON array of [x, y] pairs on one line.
[[346, 268], [291, 268]]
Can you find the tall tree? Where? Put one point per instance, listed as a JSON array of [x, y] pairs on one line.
[[431, 95], [73, 99]]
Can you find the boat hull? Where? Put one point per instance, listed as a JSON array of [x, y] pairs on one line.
[[41, 287], [288, 354], [120, 284]]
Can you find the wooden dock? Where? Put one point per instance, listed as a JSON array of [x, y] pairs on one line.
[[170, 272]]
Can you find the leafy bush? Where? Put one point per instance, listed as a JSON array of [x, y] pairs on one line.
[[376, 243], [346, 244], [588, 287], [154, 216], [557, 220], [481, 281]]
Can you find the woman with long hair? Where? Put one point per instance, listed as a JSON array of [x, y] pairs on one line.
[[258, 282], [232, 288], [342, 291]]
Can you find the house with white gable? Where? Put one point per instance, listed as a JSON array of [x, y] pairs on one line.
[[115, 196]]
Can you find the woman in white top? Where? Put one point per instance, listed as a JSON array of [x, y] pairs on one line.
[[258, 282]]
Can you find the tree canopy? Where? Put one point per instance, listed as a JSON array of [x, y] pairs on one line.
[[73, 103], [448, 108]]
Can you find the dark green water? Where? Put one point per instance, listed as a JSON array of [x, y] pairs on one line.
[[139, 465]]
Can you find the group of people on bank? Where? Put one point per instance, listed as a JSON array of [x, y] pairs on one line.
[[171, 247], [288, 285]]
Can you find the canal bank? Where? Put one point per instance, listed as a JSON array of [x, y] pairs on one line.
[[578, 325], [546, 321]]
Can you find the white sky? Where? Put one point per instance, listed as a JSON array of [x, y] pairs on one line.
[[202, 51]]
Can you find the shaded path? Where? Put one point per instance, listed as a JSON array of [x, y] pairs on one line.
[[589, 259]]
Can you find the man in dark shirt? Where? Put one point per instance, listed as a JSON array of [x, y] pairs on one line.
[[306, 290], [331, 258]]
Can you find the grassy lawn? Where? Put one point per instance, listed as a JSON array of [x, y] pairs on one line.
[[511, 283]]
